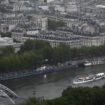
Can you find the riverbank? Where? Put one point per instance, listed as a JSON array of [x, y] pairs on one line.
[[38, 71], [51, 68]]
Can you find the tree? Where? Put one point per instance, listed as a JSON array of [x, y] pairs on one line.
[[34, 45], [8, 34], [74, 96], [5, 51]]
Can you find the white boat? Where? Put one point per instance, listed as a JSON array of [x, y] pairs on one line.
[[41, 68], [99, 76], [87, 63], [89, 78], [84, 80]]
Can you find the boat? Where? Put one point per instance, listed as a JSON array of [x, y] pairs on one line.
[[42, 68], [87, 63], [89, 78], [99, 76], [82, 80]]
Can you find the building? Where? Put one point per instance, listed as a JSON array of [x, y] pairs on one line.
[[57, 38], [22, 5], [71, 7], [40, 21], [4, 28]]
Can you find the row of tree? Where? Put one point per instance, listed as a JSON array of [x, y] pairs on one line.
[[74, 96], [34, 53], [5, 51], [62, 52], [15, 62]]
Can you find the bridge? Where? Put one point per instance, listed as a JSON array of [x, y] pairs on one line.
[[6, 93]]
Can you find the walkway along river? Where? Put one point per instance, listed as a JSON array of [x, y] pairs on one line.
[[38, 71]]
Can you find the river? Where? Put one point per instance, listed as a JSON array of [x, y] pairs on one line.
[[54, 83]]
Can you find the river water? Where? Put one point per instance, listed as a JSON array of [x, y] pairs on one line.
[[53, 85]]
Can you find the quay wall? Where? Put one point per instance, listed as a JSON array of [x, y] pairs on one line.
[[48, 69]]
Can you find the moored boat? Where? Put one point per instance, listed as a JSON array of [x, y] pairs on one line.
[[87, 63]]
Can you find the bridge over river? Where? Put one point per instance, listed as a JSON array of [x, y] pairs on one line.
[[7, 96]]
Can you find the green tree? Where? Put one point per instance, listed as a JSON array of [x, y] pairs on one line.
[[34, 45], [5, 51], [8, 34], [74, 96], [61, 53]]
